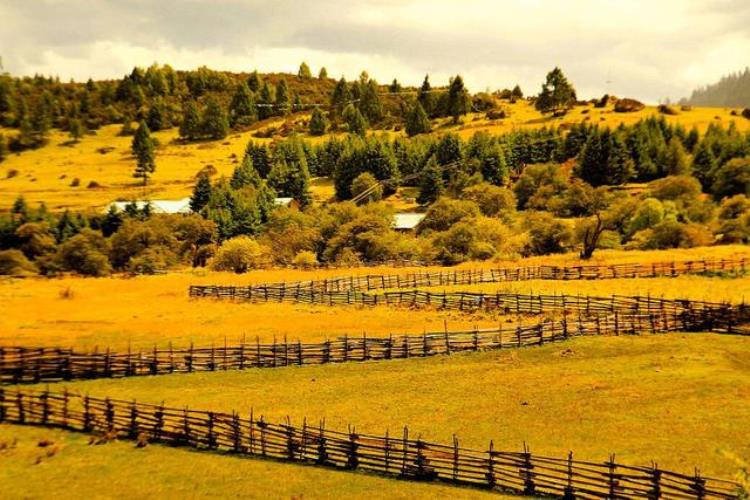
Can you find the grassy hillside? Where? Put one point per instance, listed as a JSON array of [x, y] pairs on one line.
[[46, 174]]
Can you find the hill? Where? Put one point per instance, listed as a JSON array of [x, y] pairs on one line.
[[732, 91]]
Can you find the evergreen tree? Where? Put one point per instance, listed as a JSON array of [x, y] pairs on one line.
[[704, 163], [304, 72], [430, 183], [291, 179], [260, 158], [394, 87], [41, 120], [266, 100], [557, 95], [242, 109], [245, 175], [493, 166], [516, 93], [143, 149], [254, 82], [340, 97], [201, 192], [417, 121], [323, 74], [369, 101], [155, 118], [458, 98], [111, 222], [318, 122], [282, 97], [691, 140], [190, 127], [75, 130], [215, 123], [605, 160], [3, 147], [676, 160], [355, 121], [425, 97]]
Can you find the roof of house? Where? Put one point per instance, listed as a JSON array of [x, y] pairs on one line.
[[181, 206], [283, 201], [407, 220]]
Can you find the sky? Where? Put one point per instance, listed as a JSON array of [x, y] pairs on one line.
[[645, 49]]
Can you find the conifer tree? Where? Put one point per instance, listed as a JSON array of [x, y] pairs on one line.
[[304, 72], [266, 99], [323, 74], [143, 149], [201, 192], [190, 127], [75, 130], [493, 166], [425, 97], [704, 163], [242, 109], [318, 122], [557, 95], [340, 97], [245, 175], [282, 97], [215, 123], [354, 120], [394, 87], [430, 183], [458, 98], [254, 82], [676, 159], [260, 158], [155, 118], [417, 121], [516, 93], [3, 147]]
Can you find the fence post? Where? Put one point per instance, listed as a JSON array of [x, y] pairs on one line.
[[44, 397], [190, 359], [699, 486], [447, 337], [569, 493], [612, 477], [159, 424], [109, 414], [211, 437], [236, 433], [491, 466], [455, 458], [322, 452], [655, 492], [527, 474], [352, 461], [133, 421], [405, 448]]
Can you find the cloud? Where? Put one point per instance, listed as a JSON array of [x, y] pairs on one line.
[[649, 49]]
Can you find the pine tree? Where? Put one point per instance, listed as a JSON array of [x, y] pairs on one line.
[[282, 97], [355, 121], [260, 158], [304, 72], [620, 168], [143, 149], [254, 81], [340, 97], [201, 192], [430, 183], [676, 160], [516, 93], [704, 163], [557, 95], [417, 121], [266, 100], [369, 101], [323, 74], [318, 122], [190, 127], [493, 166], [242, 109], [245, 175], [155, 118], [215, 123], [425, 97], [394, 87], [41, 120], [75, 130], [458, 98]]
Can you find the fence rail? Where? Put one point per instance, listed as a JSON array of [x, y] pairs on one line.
[[395, 456], [47, 364], [499, 275]]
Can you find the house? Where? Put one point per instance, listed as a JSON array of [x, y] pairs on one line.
[[181, 206], [286, 202], [406, 221]]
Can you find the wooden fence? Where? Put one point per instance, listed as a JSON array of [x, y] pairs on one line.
[[391, 455], [45, 364], [500, 275]]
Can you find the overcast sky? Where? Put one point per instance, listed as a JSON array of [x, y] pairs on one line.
[[648, 49]]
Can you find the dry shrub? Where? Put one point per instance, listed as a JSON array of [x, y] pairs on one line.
[[11, 173], [627, 105], [75, 182], [93, 185], [66, 293], [497, 114], [208, 170], [667, 110]]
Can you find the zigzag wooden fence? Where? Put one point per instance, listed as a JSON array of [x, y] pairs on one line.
[[396, 456], [47, 364], [500, 275]]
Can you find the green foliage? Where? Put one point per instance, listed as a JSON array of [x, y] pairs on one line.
[[155, 118], [366, 182], [445, 212], [458, 98], [15, 263], [417, 121], [254, 81], [190, 127], [3, 148], [605, 160], [239, 255], [557, 95], [431, 184], [201, 193], [304, 71], [143, 148], [538, 184], [245, 174], [493, 201], [425, 96], [732, 178], [677, 161], [282, 97], [85, 253], [355, 121], [546, 234], [75, 131], [371, 154], [215, 122], [266, 101], [290, 175], [323, 73], [242, 109], [318, 122]]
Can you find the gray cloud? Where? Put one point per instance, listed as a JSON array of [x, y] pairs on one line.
[[647, 49]]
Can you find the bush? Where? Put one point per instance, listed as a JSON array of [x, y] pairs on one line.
[[85, 253], [675, 187], [151, 261], [239, 255], [445, 212], [546, 235], [746, 113], [627, 105], [364, 182], [673, 234], [732, 178], [493, 201], [667, 110], [15, 263], [305, 259], [497, 114]]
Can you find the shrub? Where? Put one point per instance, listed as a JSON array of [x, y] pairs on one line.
[[673, 234], [546, 235], [239, 255], [746, 113], [93, 185], [665, 109], [305, 259], [493, 201], [445, 212], [366, 182], [75, 182], [648, 214], [627, 105], [538, 185], [85, 253], [151, 261], [675, 187], [732, 178], [15, 263], [601, 103], [497, 114]]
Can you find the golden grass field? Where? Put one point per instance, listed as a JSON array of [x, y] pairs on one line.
[[46, 174], [678, 399]]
